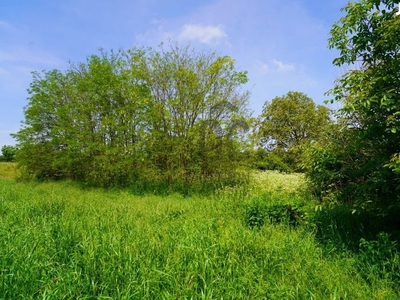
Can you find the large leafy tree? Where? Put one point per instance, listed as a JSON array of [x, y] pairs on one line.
[[365, 169], [290, 123], [197, 111], [83, 124], [143, 116]]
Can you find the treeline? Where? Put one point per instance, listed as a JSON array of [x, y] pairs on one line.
[[178, 119], [167, 118]]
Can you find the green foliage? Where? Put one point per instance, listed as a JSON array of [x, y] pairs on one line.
[[9, 152], [260, 210], [380, 259], [61, 241], [155, 119], [254, 214], [330, 164], [263, 160], [345, 169], [359, 163], [289, 124]]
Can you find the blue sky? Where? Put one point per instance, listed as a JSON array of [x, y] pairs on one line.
[[282, 44]]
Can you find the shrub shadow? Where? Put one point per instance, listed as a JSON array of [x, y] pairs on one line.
[[339, 229]]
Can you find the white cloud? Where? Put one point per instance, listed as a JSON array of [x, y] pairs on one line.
[[282, 67], [274, 66], [159, 33], [210, 35]]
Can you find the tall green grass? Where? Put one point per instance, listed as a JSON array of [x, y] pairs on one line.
[[58, 241]]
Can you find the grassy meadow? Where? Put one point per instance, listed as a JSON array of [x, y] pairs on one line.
[[263, 241]]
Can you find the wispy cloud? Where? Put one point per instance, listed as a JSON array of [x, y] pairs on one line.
[[164, 30], [156, 34], [210, 35], [15, 79], [282, 67], [275, 66]]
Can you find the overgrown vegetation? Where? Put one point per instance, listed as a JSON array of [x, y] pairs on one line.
[[358, 161], [8, 171], [62, 241], [288, 125], [8, 153], [168, 130], [176, 120], [261, 159], [162, 119]]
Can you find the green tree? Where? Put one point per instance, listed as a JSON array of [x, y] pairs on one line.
[[9, 152], [152, 118], [365, 170], [87, 123], [289, 124], [197, 111]]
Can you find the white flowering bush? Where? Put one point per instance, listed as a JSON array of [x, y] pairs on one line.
[[276, 182]]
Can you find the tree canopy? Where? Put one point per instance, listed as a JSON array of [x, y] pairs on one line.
[[143, 116], [8, 152], [290, 123]]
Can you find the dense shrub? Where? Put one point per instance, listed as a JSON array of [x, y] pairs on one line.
[[264, 160], [347, 168], [8, 152], [359, 161], [259, 211]]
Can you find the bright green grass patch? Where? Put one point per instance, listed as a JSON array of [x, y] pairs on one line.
[[8, 170], [58, 241]]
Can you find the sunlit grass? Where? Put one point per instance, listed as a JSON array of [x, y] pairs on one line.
[[59, 241], [8, 170]]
